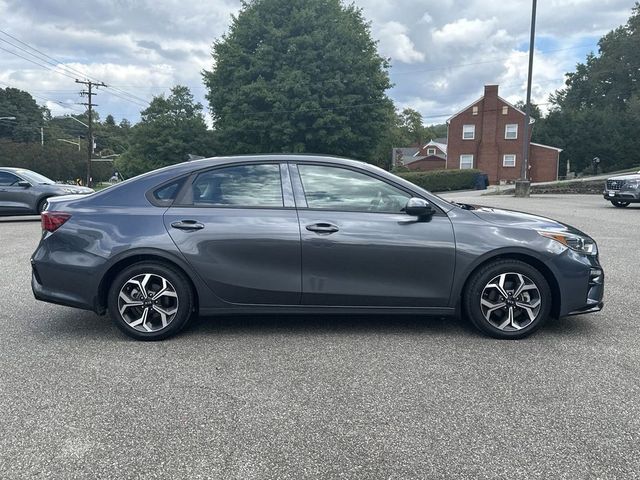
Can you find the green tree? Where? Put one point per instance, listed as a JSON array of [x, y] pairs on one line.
[[29, 116], [110, 137], [301, 76], [414, 130], [405, 129], [412, 127], [598, 112], [394, 135], [535, 112], [170, 128]]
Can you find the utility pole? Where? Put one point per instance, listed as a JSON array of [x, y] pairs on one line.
[[523, 186], [89, 93]]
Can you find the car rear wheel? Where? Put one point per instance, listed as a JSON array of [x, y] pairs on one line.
[[619, 204], [150, 301], [508, 299]]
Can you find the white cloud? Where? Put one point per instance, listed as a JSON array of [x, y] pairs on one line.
[[442, 52], [395, 43], [426, 18], [465, 32]]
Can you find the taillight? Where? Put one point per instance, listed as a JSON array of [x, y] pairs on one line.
[[51, 221]]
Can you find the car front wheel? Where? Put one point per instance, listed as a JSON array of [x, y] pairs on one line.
[[508, 299], [42, 204], [618, 204], [150, 301]]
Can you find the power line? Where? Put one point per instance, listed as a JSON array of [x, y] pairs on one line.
[[58, 62], [65, 70], [56, 65], [35, 63]]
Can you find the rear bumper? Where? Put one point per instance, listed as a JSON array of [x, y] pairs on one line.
[[52, 291], [40, 292]]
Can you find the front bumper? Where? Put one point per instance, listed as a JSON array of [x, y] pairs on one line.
[[631, 196], [595, 293]]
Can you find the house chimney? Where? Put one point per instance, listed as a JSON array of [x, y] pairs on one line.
[[490, 91], [488, 149], [490, 114]]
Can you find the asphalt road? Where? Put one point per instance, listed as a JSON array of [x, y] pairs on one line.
[[338, 397]]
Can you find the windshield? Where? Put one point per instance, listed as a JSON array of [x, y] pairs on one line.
[[34, 177]]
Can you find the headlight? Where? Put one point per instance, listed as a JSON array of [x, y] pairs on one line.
[[574, 242], [69, 190], [632, 184]]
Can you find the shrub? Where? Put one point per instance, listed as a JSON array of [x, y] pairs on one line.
[[60, 162], [443, 180]]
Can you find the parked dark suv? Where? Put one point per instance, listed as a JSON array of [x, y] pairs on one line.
[[305, 234], [622, 190]]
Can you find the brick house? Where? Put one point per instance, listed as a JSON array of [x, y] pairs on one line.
[[432, 156], [487, 135]]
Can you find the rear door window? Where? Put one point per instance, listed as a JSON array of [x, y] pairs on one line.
[[239, 186], [165, 195]]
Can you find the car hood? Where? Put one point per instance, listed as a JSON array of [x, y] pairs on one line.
[[512, 218], [628, 176], [69, 189]]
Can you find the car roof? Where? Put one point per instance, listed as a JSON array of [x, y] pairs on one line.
[[270, 157]]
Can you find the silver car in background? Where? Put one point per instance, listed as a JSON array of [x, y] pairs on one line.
[[23, 192], [622, 190]]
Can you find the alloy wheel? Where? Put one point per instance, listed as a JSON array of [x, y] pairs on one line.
[[510, 301], [148, 302]]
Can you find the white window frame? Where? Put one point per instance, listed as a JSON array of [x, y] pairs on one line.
[[506, 131], [474, 110], [505, 110], [509, 155], [431, 151], [469, 129], [467, 155]]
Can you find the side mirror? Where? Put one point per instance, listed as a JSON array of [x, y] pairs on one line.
[[419, 207], [24, 183]]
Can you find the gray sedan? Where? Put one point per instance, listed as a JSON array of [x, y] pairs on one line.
[[23, 192], [296, 234]]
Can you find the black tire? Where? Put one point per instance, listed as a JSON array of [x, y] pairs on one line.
[[42, 204], [479, 289], [175, 315], [618, 204]]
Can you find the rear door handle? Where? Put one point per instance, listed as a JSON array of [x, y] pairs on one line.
[[322, 228], [188, 225]]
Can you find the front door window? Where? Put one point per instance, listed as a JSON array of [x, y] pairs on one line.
[[341, 189]]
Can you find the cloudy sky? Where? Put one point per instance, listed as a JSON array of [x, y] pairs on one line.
[[442, 52]]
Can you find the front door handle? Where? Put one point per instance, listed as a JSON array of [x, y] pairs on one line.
[[188, 225], [322, 228]]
